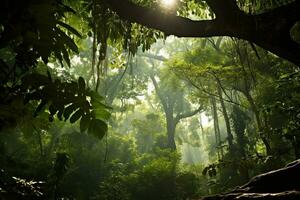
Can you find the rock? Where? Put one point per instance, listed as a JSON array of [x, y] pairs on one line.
[[281, 184]]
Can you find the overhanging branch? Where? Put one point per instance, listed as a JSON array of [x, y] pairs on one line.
[[168, 23], [270, 30], [187, 114]]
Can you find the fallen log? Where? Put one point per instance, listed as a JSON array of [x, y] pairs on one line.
[[288, 195], [281, 184]]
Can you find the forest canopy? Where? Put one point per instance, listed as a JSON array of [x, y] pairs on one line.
[[147, 99]]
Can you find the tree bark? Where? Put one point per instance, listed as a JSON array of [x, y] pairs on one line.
[[216, 127], [270, 30], [171, 128], [226, 117], [201, 127], [168, 104]]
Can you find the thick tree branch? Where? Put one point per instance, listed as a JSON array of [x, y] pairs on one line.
[[168, 23], [270, 30], [187, 114], [285, 14], [152, 56], [201, 88], [159, 94], [225, 9]]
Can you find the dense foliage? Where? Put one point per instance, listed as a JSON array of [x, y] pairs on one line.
[[151, 116]]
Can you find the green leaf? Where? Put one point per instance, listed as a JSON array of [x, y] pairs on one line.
[[101, 113], [84, 123], [67, 41], [76, 116], [81, 84], [70, 28], [98, 128], [60, 113], [59, 57], [52, 109], [96, 101], [66, 56], [69, 110], [37, 95], [40, 107], [68, 9]]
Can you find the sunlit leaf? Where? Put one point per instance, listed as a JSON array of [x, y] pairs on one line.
[[67, 40], [70, 28]]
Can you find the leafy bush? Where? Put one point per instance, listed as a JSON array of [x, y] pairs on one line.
[[159, 178]]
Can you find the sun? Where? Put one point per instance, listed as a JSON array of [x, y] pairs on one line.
[[168, 3]]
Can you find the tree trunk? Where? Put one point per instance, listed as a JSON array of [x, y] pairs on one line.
[[216, 127], [201, 127], [171, 127], [226, 118]]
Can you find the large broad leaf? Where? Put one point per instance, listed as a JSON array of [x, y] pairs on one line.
[[96, 101], [98, 128], [84, 123], [67, 40], [76, 116], [81, 85], [53, 109], [65, 55], [69, 28], [40, 106], [69, 100], [101, 113], [69, 110]]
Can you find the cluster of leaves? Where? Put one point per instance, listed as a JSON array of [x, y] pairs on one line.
[[147, 131], [286, 101], [158, 178], [17, 188], [67, 100], [32, 30], [108, 28], [195, 9], [253, 6]]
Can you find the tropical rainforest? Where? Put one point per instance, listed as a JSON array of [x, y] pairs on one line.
[[150, 99]]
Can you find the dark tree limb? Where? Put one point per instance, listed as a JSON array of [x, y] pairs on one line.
[[168, 23], [289, 195], [270, 30], [281, 184], [187, 114], [225, 9], [152, 56]]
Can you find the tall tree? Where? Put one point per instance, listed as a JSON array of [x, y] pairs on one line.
[[171, 98]]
